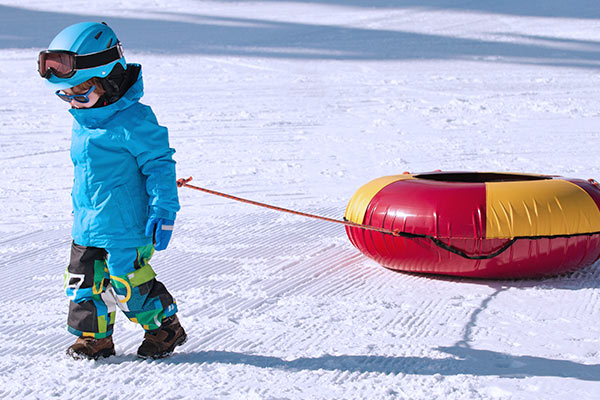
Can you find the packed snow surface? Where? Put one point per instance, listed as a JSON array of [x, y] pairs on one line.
[[298, 104]]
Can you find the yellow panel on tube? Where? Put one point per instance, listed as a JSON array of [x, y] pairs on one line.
[[539, 208], [357, 206]]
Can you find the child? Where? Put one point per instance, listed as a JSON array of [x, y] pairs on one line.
[[124, 194]]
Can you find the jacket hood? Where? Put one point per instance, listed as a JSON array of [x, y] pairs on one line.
[[95, 117]]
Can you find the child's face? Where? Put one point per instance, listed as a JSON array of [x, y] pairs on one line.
[[75, 104]]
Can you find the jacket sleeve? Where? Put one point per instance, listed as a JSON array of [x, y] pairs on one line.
[[148, 142]]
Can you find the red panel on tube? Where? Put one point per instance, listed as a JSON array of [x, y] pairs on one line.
[[454, 212]]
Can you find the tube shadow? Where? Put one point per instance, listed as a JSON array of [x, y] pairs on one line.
[[585, 278]]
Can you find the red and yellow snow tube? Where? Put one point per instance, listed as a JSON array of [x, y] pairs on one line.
[[478, 224]]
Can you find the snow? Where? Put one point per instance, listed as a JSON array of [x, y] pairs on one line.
[[298, 104]]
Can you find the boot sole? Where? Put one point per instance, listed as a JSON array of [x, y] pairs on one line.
[[178, 342], [82, 356]]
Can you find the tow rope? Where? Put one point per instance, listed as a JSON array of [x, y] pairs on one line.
[[184, 183], [396, 232]]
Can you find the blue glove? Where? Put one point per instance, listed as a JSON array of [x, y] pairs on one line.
[[162, 229]]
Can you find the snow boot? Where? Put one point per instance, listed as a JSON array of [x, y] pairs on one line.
[[161, 342], [91, 349]]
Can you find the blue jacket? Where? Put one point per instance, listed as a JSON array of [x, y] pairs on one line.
[[124, 172]]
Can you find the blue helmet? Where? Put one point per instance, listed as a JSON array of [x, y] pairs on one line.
[[80, 52]]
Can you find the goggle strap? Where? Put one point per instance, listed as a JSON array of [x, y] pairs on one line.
[[104, 57]]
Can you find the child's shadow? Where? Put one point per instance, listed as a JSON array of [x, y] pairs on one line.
[[462, 360]]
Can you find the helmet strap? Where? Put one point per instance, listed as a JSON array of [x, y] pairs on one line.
[[86, 61]]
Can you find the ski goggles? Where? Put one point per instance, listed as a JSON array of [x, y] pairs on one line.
[[80, 98], [64, 64]]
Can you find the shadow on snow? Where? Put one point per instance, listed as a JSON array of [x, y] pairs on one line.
[[465, 360], [210, 35], [584, 9]]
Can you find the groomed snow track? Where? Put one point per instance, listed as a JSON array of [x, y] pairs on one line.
[[298, 104], [273, 304]]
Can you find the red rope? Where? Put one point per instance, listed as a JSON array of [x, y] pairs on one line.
[[184, 183]]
